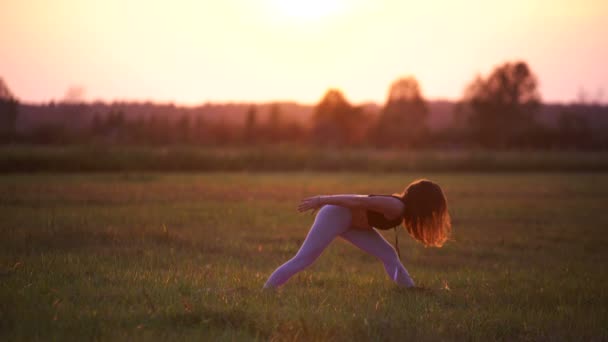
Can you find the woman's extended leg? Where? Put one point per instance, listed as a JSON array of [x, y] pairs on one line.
[[330, 222], [373, 243]]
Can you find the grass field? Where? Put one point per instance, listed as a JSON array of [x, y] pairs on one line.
[[175, 158], [140, 256]]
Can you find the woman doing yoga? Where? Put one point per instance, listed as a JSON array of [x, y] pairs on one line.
[[422, 208]]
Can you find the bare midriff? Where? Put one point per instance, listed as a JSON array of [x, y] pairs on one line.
[[359, 219]]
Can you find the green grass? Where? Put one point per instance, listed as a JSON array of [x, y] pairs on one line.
[[102, 158], [141, 256]]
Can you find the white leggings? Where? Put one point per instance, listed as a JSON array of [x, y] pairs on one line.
[[332, 221]]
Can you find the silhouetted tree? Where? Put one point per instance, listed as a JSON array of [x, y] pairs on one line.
[[294, 132], [112, 127], [222, 133], [274, 124], [183, 129], [500, 110], [337, 122], [573, 130], [51, 133], [403, 120], [157, 129], [9, 108], [96, 127], [137, 130], [250, 129], [199, 134]]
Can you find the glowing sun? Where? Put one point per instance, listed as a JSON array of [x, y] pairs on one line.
[[308, 9]]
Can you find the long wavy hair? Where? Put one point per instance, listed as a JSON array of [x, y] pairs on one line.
[[426, 215]]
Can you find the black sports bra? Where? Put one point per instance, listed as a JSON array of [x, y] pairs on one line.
[[378, 221]]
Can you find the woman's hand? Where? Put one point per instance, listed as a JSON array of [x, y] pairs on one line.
[[310, 203]]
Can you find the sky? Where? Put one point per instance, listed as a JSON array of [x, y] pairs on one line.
[[196, 51]]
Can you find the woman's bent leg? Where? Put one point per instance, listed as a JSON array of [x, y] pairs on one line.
[[330, 222], [373, 243]]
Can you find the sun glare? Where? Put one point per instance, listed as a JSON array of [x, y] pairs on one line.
[[308, 9]]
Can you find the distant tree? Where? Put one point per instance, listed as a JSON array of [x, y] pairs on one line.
[[162, 130], [274, 124], [573, 130], [336, 121], [293, 132], [221, 132], [114, 126], [5, 93], [403, 120], [183, 129], [199, 134], [137, 130], [250, 129], [116, 119], [51, 133], [9, 109], [150, 129], [500, 110], [97, 125]]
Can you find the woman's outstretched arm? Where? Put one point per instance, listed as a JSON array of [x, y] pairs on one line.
[[390, 207]]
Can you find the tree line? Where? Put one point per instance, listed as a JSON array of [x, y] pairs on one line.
[[498, 111]]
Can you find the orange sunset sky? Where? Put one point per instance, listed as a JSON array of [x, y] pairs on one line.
[[190, 52]]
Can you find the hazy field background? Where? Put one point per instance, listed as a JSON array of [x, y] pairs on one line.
[[183, 256]]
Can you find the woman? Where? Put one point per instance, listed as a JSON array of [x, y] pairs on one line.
[[422, 207]]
